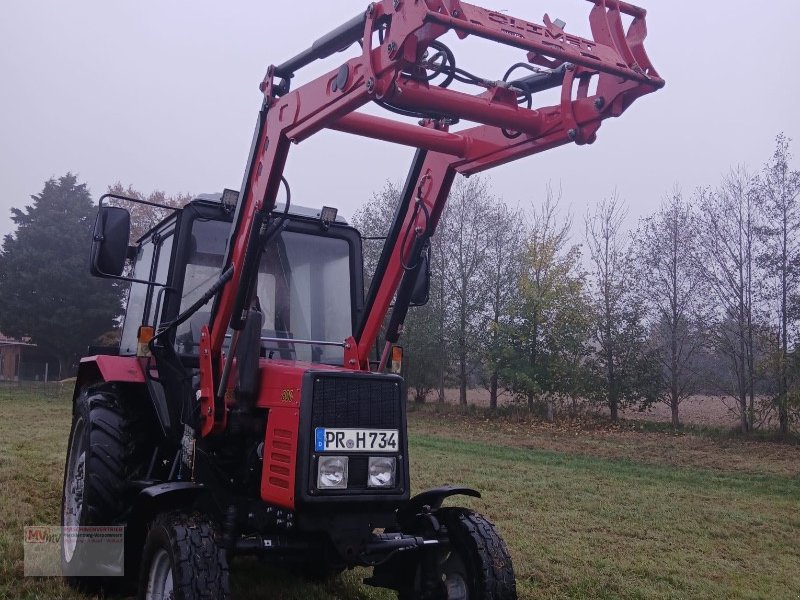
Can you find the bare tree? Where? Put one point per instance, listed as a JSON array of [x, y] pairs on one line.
[[144, 217], [622, 366], [422, 339], [665, 251], [778, 190], [422, 355], [505, 228], [441, 300], [466, 252], [727, 233], [373, 220]]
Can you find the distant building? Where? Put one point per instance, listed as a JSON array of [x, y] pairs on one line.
[[10, 358], [20, 360]]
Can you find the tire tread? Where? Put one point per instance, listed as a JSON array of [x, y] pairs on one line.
[[200, 568], [113, 442], [487, 553]]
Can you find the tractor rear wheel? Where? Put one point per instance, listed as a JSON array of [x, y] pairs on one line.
[[100, 455], [476, 564], [182, 561]]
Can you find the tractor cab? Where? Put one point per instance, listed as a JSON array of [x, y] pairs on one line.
[[309, 287]]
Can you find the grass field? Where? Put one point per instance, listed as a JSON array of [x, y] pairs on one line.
[[587, 512]]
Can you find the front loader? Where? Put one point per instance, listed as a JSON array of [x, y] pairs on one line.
[[247, 409]]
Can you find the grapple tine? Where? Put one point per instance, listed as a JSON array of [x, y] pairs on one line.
[[607, 29], [637, 32], [617, 31]]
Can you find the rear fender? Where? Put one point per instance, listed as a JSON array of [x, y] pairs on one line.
[[127, 370], [108, 369]]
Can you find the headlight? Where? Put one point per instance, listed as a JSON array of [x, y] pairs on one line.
[[381, 471], [332, 472]]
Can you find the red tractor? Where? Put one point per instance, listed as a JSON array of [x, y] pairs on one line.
[[247, 409]]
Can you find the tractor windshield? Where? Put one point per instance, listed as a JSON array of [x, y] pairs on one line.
[[303, 290]]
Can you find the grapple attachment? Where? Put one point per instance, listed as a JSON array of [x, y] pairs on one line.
[[409, 71]]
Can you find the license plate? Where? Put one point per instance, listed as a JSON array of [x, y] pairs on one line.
[[355, 440]]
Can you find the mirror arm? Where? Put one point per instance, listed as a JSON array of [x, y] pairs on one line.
[[105, 275], [130, 279], [135, 201], [131, 250]]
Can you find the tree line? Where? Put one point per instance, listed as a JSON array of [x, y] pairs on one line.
[[700, 297]]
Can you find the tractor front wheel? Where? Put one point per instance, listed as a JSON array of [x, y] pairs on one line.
[[475, 565], [182, 561]]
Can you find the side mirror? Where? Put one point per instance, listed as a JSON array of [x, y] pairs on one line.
[[422, 285], [110, 241]]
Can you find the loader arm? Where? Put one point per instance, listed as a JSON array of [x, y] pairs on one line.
[[394, 70]]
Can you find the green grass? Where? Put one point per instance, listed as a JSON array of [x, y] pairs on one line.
[[581, 527], [583, 517]]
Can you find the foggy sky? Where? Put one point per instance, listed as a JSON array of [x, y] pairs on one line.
[[163, 95]]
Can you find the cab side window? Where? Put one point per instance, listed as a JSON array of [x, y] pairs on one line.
[[137, 297], [164, 255]]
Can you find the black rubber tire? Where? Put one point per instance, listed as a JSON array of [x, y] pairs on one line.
[[477, 554], [199, 566], [103, 435]]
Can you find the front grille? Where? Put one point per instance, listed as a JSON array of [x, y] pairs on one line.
[[361, 402], [344, 400]]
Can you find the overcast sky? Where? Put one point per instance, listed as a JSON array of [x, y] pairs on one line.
[[163, 95]]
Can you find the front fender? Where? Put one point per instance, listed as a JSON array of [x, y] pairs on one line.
[[150, 502], [433, 499], [161, 497]]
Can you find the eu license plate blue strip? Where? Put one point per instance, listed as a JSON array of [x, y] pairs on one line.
[[319, 439]]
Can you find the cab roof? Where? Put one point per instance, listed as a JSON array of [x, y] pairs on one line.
[[294, 209]]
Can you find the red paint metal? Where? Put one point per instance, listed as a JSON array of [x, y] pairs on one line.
[[281, 381], [280, 457], [207, 422], [122, 369], [352, 358], [280, 394], [498, 107], [380, 128], [436, 178]]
